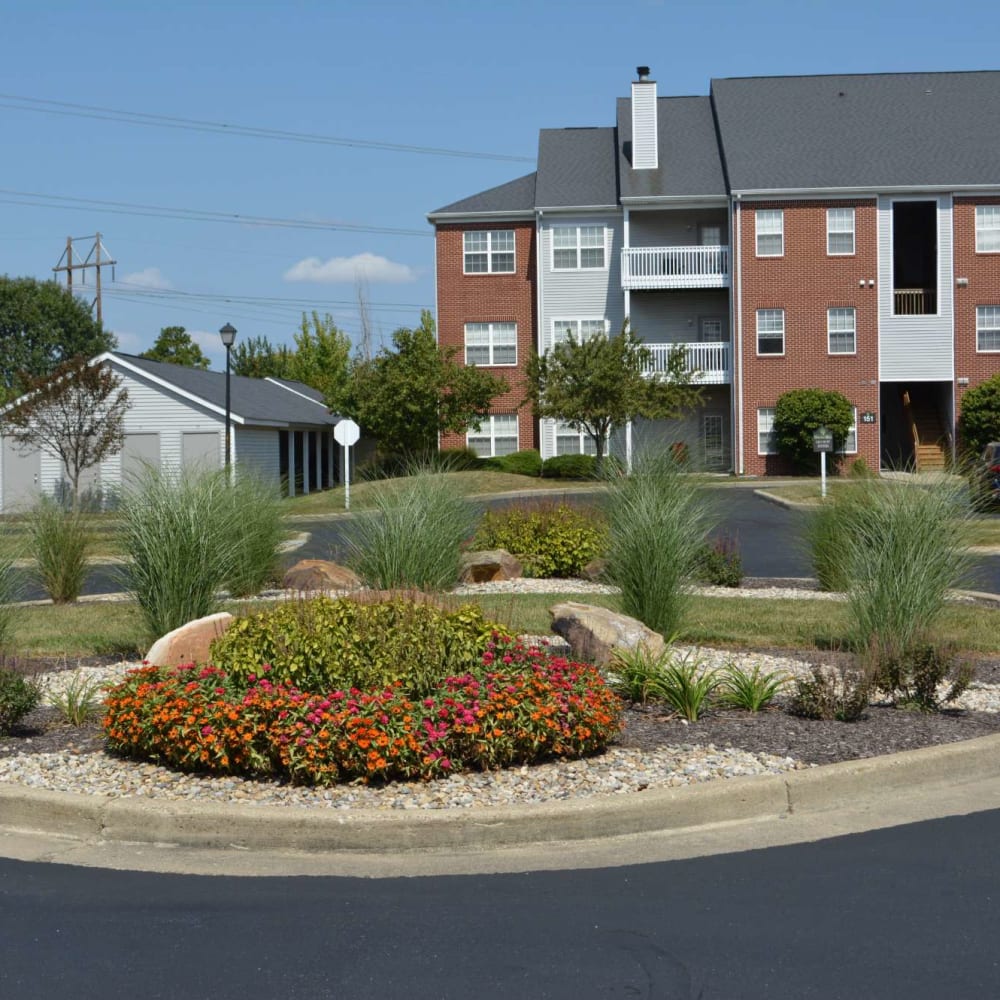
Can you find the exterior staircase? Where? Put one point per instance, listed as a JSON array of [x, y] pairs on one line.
[[930, 439]]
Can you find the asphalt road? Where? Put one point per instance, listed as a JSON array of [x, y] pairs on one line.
[[770, 539], [905, 912]]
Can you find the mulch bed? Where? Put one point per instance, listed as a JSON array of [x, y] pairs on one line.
[[882, 730]]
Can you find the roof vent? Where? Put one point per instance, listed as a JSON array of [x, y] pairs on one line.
[[645, 151]]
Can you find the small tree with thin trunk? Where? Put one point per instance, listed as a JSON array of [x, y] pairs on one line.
[[77, 413], [602, 381]]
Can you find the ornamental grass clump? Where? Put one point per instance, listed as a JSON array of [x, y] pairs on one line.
[[413, 537], [519, 706], [658, 522], [9, 590], [550, 540], [59, 540], [256, 519]]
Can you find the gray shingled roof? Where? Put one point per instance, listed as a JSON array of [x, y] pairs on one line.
[[252, 399], [689, 162], [576, 166], [514, 196], [866, 131]]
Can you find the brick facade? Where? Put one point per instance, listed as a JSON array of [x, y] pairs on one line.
[[982, 270], [490, 298], [805, 281]]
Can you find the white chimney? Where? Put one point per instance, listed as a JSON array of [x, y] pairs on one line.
[[645, 151]]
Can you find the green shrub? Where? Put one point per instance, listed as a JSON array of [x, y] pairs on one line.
[[18, 696], [658, 521], [255, 517], [800, 412], [720, 563], [414, 536], [979, 421], [457, 460], [751, 690], [832, 693], [569, 467], [59, 540], [323, 644], [177, 532], [527, 462], [550, 540], [913, 676]]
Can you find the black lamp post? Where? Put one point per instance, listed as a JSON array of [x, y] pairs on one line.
[[228, 335]]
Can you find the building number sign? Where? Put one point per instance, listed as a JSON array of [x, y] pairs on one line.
[[867, 417]]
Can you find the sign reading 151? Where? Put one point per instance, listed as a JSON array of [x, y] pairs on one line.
[[868, 417]]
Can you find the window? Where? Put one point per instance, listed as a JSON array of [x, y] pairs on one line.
[[497, 435], [770, 331], [766, 444], [988, 328], [489, 251], [841, 336], [573, 442], [987, 228], [839, 231], [582, 329], [576, 247], [770, 227], [491, 343], [851, 441]]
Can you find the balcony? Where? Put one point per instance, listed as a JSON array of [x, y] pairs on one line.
[[711, 361], [675, 267]]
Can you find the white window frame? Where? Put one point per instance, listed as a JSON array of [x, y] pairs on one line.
[[491, 252], [488, 432], [770, 313], [597, 325], [852, 437], [987, 322], [766, 445], [579, 246], [492, 343], [769, 222], [841, 312], [837, 225], [987, 228], [584, 442]]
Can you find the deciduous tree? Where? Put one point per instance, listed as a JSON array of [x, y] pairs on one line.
[[77, 413], [175, 346], [597, 383], [799, 412]]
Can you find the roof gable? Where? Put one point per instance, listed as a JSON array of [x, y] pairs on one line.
[[576, 167]]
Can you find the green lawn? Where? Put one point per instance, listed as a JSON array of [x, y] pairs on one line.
[[734, 622]]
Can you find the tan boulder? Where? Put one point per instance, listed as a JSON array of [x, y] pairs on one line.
[[489, 564], [594, 633], [320, 574], [190, 643]]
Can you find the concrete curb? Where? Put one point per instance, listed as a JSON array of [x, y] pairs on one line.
[[312, 830]]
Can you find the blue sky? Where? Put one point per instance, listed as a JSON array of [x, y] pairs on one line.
[[475, 77]]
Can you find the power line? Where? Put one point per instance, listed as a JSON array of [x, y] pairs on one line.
[[193, 214], [67, 109]]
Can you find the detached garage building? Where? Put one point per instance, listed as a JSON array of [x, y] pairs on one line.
[[177, 418]]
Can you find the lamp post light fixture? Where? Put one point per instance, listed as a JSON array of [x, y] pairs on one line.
[[228, 335]]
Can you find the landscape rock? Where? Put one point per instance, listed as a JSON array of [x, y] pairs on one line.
[[488, 565], [594, 633], [190, 643], [320, 574]]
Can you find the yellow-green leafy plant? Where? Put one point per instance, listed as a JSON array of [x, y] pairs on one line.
[[18, 696]]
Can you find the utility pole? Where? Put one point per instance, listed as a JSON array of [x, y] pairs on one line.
[[93, 259]]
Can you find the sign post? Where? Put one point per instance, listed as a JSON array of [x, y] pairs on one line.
[[347, 433], [822, 442]]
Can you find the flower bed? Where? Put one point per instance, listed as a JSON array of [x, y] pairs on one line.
[[519, 706]]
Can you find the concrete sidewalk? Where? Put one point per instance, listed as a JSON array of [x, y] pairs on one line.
[[714, 817]]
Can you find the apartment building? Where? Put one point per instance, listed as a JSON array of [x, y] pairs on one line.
[[838, 232]]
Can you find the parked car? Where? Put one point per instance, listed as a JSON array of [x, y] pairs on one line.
[[989, 471]]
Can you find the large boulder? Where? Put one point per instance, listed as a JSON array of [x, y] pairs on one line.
[[320, 574], [489, 564], [190, 643], [594, 633]]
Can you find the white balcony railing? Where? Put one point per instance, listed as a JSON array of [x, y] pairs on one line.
[[710, 361], [675, 267]]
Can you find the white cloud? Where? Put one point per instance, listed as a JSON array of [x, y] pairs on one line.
[[377, 270], [130, 343], [149, 277]]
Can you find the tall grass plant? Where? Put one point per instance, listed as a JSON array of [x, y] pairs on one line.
[[255, 517], [658, 520], [414, 536], [9, 592], [60, 541]]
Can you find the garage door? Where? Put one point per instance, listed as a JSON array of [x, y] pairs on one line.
[[140, 451], [201, 449], [20, 477]]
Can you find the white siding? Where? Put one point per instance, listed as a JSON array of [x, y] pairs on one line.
[[588, 293], [673, 317], [918, 348], [644, 137]]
